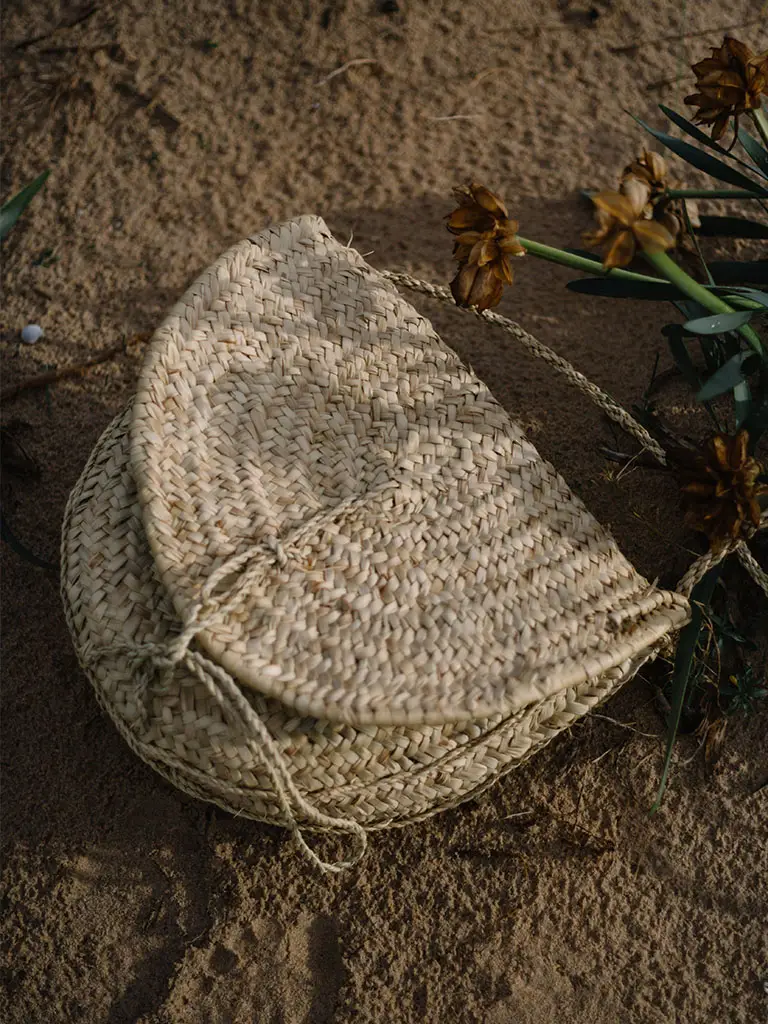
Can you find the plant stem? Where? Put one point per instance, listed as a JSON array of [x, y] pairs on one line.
[[761, 123], [710, 193], [569, 259], [667, 267], [684, 655]]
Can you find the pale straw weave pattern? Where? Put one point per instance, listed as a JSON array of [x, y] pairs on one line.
[[400, 552], [378, 776], [317, 575]]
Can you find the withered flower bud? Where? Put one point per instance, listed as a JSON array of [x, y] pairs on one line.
[[720, 489], [484, 243], [729, 83]]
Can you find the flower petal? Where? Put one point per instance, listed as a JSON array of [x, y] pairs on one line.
[[483, 252], [617, 206], [469, 218], [511, 247], [461, 285], [621, 250], [488, 200], [706, 66], [692, 208], [657, 165], [723, 79], [738, 455], [720, 125], [605, 225], [737, 50], [637, 191], [671, 222], [754, 512], [487, 289], [503, 269], [653, 236]]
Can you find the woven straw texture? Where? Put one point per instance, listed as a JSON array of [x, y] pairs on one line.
[[346, 519], [195, 736]]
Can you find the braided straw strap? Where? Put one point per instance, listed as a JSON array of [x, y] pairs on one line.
[[344, 517], [245, 752], [613, 410]]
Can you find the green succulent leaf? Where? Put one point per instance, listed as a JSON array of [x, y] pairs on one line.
[[681, 355], [742, 403], [757, 152], [746, 293], [730, 375], [13, 209], [701, 596], [719, 323], [696, 133]]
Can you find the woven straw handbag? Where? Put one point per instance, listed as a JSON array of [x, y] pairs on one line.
[[316, 574]]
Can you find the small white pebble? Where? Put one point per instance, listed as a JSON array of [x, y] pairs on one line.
[[31, 333]]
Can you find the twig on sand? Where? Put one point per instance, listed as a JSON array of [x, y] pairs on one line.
[[456, 117], [632, 48], [72, 23], [43, 380], [349, 64], [482, 75], [639, 459]]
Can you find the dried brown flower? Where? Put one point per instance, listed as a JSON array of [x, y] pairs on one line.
[[720, 489], [650, 170], [624, 223], [729, 83], [485, 241]]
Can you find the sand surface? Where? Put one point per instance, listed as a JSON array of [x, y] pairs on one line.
[[554, 897]]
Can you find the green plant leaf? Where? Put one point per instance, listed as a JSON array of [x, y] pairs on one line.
[[731, 227], [758, 153], [742, 403], [719, 323], [696, 133], [710, 346], [729, 376], [725, 628], [747, 293], [690, 308], [748, 272], [701, 596], [681, 355], [616, 288], [13, 209], [704, 162]]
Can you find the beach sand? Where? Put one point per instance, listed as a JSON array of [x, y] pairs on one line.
[[173, 130]]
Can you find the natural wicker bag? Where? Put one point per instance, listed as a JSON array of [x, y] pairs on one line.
[[333, 518]]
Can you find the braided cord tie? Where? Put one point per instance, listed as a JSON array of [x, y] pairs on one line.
[[153, 666], [611, 408], [146, 660]]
